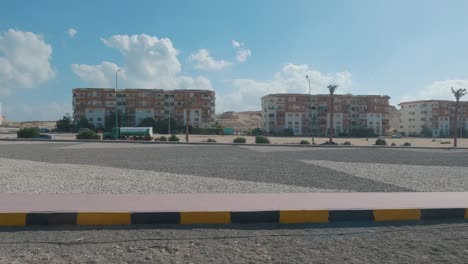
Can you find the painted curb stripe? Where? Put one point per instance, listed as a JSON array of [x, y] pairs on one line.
[[12, 219], [397, 215], [255, 217], [51, 219], [303, 216], [103, 219], [351, 215], [194, 218], [430, 214], [155, 218]]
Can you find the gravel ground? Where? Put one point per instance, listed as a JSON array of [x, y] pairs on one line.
[[116, 168], [42, 177], [431, 243], [418, 178]]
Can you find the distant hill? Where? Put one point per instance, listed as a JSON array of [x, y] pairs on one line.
[[240, 120]]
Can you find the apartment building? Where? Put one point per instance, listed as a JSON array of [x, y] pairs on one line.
[[436, 115], [95, 104], [306, 114]]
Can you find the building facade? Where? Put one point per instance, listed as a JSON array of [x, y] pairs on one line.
[[95, 104], [435, 116], [308, 114]]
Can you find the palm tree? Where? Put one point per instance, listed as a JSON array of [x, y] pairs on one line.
[[459, 93], [331, 89]]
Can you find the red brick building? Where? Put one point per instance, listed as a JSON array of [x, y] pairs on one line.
[[95, 104], [305, 113]]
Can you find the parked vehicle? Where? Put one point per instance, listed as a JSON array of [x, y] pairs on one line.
[[396, 136], [143, 133]]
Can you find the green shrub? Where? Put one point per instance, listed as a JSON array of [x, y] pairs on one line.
[[347, 143], [380, 142], [28, 132], [445, 142], [87, 134], [304, 142], [211, 140], [393, 144], [161, 138], [239, 140], [262, 140], [173, 138], [407, 144]]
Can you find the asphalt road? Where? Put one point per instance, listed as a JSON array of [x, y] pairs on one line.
[[430, 243]]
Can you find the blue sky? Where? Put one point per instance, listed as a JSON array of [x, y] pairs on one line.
[[406, 49]]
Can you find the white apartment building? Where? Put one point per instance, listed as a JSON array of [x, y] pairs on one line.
[[436, 115]]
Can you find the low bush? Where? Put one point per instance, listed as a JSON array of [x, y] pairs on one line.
[[211, 140], [393, 144], [88, 134], [380, 142], [304, 142], [347, 143], [28, 132], [239, 140], [262, 140], [329, 143], [445, 142], [407, 144], [161, 138], [173, 138]]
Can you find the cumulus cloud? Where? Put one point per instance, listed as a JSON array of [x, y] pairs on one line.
[[101, 75], [246, 93], [149, 62], [204, 61], [24, 60], [438, 90], [242, 53], [71, 32]]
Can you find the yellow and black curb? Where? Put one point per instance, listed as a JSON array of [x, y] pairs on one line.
[[227, 217]]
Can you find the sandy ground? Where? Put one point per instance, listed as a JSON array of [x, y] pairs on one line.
[[415, 142]]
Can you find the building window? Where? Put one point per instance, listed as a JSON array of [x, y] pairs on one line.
[[99, 119]]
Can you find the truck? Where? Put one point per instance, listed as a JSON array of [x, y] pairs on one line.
[[143, 133]]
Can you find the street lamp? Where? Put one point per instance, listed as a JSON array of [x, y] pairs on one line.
[[116, 113], [310, 112]]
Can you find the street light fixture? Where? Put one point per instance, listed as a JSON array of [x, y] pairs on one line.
[[310, 112], [116, 112]]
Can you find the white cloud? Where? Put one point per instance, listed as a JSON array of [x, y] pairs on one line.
[[246, 93], [242, 55], [236, 44], [149, 62], [24, 60], [242, 52], [440, 90], [205, 62], [102, 75], [71, 32]]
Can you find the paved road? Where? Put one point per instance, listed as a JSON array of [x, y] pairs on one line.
[[431, 243], [140, 168]]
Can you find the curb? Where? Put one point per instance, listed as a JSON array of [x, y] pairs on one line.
[[15, 219]]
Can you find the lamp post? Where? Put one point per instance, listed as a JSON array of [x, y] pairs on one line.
[[310, 112], [116, 113]]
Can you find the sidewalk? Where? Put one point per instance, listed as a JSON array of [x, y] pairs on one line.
[[202, 208]]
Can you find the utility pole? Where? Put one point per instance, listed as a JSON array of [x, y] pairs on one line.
[[310, 112], [187, 118], [169, 123], [116, 112]]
